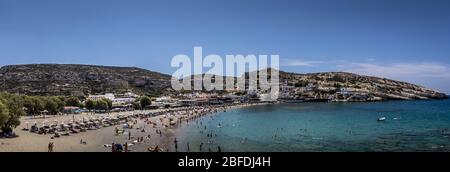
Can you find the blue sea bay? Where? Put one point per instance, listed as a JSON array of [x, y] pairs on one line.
[[331, 127]]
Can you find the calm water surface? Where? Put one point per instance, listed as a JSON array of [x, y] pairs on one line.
[[409, 126]]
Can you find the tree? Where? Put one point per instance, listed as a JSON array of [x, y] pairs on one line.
[[33, 105], [51, 106], [145, 101], [73, 101], [4, 114], [29, 105], [59, 102], [137, 105], [90, 104], [109, 103], [11, 117], [38, 105], [102, 105]]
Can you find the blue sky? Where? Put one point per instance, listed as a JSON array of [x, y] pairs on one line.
[[407, 40]]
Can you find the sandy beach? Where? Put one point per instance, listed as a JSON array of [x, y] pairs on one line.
[[146, 129]]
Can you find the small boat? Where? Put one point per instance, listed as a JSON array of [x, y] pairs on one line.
[[381, 119]]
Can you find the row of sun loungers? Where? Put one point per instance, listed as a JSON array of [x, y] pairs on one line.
[[71, 127], [93, 123]]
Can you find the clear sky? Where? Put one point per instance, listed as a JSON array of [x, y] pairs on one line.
[[407, 40]]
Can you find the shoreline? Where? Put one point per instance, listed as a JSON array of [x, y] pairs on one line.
[[147, 129], [100, 140]]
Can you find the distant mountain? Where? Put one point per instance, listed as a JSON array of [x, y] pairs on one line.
[[78, 80], [74, 79]]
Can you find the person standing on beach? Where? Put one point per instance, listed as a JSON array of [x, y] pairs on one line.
[[188, 149], [156, 148], [176, 144], [50, 147], [113, 147], [129, 135]]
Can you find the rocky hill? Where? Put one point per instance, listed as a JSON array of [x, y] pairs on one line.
[[375, 88], [342, 86], [78, 80]]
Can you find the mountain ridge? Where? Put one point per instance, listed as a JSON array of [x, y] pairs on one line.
[[81, 80]]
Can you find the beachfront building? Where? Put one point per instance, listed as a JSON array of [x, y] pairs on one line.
[[187, 102], [109, 96], [165, 102], [200, 99], [118, 101], [231, 98], [215, 101], [123, 101]]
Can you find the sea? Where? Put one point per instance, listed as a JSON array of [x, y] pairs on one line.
[[409, 126]]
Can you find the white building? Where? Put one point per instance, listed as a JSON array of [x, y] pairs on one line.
[[123, 101], [109, 96], [116, 101]]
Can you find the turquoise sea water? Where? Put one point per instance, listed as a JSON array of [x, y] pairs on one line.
[[409, 126]]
